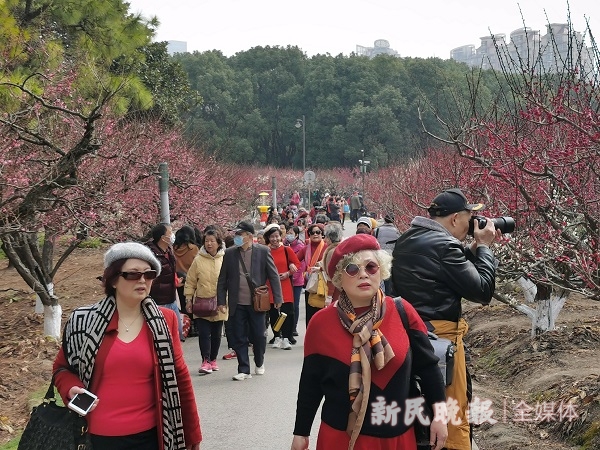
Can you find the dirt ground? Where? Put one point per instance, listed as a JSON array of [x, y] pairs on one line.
[[523, 377]]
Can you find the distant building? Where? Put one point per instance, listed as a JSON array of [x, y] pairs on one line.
[[527, 48], [176, 47], [381, 47]]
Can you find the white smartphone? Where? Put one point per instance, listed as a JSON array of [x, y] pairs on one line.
[[82, 402]]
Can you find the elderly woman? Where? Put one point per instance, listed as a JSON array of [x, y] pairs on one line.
[[310, 256], [356, 355], [201, 282], [126, 350], [333, 236], [287, 264]]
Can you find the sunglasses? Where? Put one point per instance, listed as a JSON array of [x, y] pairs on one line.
[[134, 276], [317, 232], [353, 269]]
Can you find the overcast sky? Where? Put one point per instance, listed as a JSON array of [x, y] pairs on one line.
[[418, 28]]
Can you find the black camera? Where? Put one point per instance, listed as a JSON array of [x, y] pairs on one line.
[[504, 224]]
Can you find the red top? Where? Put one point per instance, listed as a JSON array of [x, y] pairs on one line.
[[282, 263], [66, 379], [126, 411]]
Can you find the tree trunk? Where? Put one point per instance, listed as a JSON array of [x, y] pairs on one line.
[[52, 320], [548, 303]]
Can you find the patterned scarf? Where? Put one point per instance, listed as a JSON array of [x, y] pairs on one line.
[[368, 345], [82, 338]]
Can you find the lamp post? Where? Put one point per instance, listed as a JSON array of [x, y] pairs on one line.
[[363, 170], [302, 123]]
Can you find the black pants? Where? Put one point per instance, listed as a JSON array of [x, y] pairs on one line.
[[310, 310], [288, 325], [146, 440], [209, 337], [248, 326]]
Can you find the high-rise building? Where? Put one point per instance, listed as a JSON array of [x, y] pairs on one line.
[[560, 47], [381, 47]]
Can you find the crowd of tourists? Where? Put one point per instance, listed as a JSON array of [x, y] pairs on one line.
[[358, 350]]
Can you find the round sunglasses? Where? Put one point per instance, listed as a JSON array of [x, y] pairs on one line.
[[134, 276], [317, 232], [353, 270]]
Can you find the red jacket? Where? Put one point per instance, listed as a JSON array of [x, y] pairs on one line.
[[65, 379]]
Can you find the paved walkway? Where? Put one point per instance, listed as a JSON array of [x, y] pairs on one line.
[[253, 414]]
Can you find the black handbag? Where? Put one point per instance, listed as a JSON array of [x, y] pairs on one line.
[[54, 427]]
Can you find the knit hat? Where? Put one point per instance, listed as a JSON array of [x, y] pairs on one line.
[[353, 244], [127, 250], [365, 220]]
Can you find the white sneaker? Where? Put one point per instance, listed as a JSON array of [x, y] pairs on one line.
[[285, 344], [260, 370], [242, 376], [276, 343]]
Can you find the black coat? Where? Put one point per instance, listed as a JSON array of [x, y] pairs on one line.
[[433, 271], [163, 287]]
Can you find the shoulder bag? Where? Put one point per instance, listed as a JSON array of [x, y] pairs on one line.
[[54, 427], [260, 294], [205, 306], [421, 431]]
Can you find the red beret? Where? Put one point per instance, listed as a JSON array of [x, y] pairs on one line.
[[353, 244]]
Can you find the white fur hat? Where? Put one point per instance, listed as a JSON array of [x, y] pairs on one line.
[[126, 250]]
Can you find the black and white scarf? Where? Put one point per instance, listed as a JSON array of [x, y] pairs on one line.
[[82, 338]]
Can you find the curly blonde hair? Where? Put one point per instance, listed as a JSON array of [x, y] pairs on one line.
[[384, 259]]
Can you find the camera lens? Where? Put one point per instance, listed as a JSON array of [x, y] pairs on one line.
[[505, 224]]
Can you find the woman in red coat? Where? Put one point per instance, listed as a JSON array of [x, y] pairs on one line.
[[359, 357], [287, 264], [122, 349]]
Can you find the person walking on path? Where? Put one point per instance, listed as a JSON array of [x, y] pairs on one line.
[[387, 234], [310, 256], [287, 264], [201, 281], [294, 242], [356, 205], [359, 356], [234, 289], [164, 288], [126, 350]]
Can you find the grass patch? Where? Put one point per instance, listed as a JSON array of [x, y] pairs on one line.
[[91, 243], [12, 444]]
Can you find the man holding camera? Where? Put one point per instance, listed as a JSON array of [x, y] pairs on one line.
[[434, 271]]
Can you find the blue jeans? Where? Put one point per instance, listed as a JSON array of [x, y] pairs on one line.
[[173, 306]]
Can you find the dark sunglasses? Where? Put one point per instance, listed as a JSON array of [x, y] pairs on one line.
[[134, 276], [312, 233], [353, 269]]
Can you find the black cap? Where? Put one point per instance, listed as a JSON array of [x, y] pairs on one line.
[[244, 226], [452, 201], [389, 218]]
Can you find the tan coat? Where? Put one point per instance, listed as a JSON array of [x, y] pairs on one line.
[[202, 279]]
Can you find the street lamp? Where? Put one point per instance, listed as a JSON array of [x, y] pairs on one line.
[[363, 169], [302, 123]]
